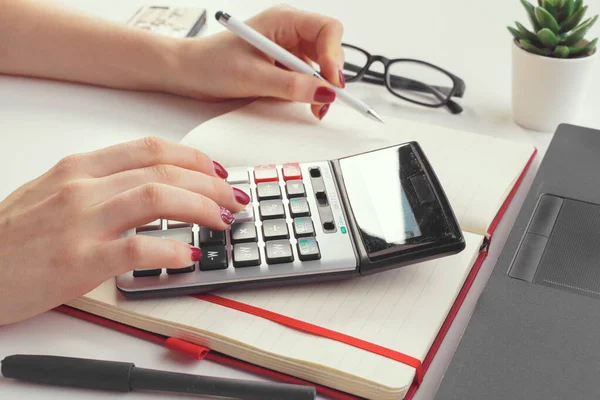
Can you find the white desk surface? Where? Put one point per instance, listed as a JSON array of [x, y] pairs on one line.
[[41, 121]]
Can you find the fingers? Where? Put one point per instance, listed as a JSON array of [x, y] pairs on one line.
[[139, 154], [295, 86], [149, 202], [144, 252], [216, 189], [320, 39]]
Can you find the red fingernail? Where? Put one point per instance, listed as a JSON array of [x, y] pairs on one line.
[[196, 254], [227, 216], [241, 196], [342, 78], [323, 111], [324, 95], [222, 172]]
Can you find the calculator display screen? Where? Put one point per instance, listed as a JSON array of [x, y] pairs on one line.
[[392, 200]]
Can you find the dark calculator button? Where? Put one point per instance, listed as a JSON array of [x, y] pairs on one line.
[[246, 255], [174, 271], [146, 272], [177, 224], [270, 209], [275, 229], [246, 215], [303, 226], [279, 251], [294, 189], [213, 257], [180, 234], [268, 191], [299, 207], [210, 237], [308, 249], [243, 232]]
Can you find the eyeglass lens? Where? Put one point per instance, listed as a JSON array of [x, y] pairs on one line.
[[411, 80]]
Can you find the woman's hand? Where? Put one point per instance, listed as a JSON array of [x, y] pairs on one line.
[[61, 233], [225, 66]]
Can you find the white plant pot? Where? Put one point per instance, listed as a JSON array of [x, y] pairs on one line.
[[548, 91]]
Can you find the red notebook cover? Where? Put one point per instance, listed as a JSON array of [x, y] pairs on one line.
[[200, 353]]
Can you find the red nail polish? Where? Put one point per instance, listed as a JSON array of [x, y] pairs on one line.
[[196, 254], [323, 111], [342, 78], [220, 170], [241, 196], [227, 216], [324, 95]]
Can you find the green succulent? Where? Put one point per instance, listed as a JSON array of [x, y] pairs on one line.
[[558, 29]]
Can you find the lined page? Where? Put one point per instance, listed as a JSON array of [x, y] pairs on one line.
[[476, 171], [401, 309]]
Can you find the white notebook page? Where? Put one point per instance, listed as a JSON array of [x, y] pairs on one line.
[[476, 171], [401, 309]]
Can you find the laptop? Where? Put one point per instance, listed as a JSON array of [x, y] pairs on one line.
[[535, 332]]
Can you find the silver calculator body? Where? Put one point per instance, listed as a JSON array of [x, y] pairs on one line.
[[304, 242], [313, 221]]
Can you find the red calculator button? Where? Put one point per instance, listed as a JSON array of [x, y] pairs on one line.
[[291, 171], [265, 173]]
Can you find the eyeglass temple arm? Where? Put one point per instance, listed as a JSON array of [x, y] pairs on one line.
[[399, 81]]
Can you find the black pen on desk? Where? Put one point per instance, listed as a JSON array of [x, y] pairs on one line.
[[126, 377]]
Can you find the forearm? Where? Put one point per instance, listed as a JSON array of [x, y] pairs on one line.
[[39, 39]]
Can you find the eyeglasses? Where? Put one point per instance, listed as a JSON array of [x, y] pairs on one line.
[[412, 80]]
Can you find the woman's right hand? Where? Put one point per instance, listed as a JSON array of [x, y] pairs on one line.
[[61, 233]]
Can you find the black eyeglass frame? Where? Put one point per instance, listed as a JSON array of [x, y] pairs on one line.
[[365, 75]]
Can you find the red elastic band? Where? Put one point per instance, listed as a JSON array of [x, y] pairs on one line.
[[319, 331]]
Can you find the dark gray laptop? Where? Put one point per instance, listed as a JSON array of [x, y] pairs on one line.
[[535, 333]]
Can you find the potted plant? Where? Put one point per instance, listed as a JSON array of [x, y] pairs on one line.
[[552, 63]]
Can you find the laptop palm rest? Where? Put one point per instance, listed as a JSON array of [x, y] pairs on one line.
[[561, 246]]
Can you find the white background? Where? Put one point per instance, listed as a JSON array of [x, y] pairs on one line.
[[42, 121]]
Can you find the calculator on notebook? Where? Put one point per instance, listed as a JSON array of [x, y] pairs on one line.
[[313, 221]]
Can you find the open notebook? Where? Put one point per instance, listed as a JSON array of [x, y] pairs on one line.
[[401, 311]]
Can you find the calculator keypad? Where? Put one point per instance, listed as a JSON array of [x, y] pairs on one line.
[[282, 231]]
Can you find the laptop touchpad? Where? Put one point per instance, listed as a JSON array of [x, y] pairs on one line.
[[561, 247]]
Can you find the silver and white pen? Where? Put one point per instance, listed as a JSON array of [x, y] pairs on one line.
[[286, 58]]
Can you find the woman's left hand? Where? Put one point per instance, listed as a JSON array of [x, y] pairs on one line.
[[225, 66]]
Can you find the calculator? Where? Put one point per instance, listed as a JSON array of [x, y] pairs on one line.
[[311, 222]]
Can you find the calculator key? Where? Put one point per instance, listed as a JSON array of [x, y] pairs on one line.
[[291, 171], [299, 207], [270, 209], [294, 189], [265, 173], [237, 175], [211, 237], [268, 191], [180, 234], [275, 229], [246, 215], [151, 226], [303, 226], [244, 187], [242, 232], [246, 255], [146, 272], [308, 249], [177, 224], [213, 257], [174, 271], [279, 251]]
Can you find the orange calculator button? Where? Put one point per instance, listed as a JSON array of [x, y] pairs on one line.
[[291, 171], [265, 173]]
